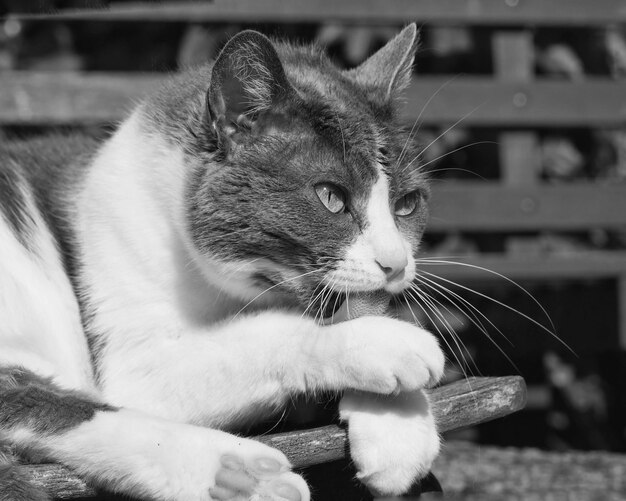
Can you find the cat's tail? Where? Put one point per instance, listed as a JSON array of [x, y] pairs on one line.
[[15, 484]]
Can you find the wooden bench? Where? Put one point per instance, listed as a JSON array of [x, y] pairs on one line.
[[511, 99]]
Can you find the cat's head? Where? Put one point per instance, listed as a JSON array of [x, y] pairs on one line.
[[311, 186]]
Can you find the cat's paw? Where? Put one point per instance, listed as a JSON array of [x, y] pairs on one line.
[[259, 478], [393, 439], [388, 356], [190, 463]]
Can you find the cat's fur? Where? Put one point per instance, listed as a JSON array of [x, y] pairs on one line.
[[152, 288]]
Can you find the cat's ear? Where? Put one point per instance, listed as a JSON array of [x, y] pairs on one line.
[[247, 78], [389, 69]]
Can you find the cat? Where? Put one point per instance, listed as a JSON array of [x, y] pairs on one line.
[[162, 289]]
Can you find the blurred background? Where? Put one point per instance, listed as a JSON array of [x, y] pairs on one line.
[[520, 106]]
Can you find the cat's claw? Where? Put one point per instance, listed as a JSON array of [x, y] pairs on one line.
[[263, 478]]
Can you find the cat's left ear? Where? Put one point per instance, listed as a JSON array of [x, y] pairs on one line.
[[247, 78], [389, 70]]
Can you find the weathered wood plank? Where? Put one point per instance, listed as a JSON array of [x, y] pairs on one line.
[[513, 56], [475, 12], [62, 98], [70, 98], [487, 206], [594, 102], [459, 404]]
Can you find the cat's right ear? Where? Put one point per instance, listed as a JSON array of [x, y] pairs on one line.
[[247, 78]]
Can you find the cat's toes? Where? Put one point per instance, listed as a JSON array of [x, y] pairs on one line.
[[260, 478], [395, 468]]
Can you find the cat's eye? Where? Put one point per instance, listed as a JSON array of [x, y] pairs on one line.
[[406, 205], [333, 197]]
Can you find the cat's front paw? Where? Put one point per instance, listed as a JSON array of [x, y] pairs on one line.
[[387, 356], [393, 439]]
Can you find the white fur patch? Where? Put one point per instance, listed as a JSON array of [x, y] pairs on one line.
[[40, 326]]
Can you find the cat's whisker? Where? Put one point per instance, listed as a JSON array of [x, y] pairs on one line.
[[441, 261], [327, 292], [313, 300], [423, 299], [472, 313], [337, 297], [423, 166], [464, 117], [456, 169], [460, 345], [506, 306], [325, 302], [455, 337], [316, 300], [272, 287], [476, 321], [419, 116]]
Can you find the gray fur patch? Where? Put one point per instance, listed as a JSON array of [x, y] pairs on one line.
[[28, 400], [52, 169], [15, 484], [13, 205]]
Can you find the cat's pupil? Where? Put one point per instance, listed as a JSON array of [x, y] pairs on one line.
[[332, 197]]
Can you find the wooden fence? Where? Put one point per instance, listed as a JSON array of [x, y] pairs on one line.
[[512, 99]]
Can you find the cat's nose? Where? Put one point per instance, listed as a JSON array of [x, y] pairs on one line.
[[393, 265]]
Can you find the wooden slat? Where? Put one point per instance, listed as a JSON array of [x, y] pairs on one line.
[[70, 98], [513, 57], [594, 102], [459, 404], [488, 206], [582, 266], [475, 12], [67, 98]]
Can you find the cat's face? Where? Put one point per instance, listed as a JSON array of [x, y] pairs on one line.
[[315, 191]]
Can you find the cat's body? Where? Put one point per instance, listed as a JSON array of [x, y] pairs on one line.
[[168, 271]]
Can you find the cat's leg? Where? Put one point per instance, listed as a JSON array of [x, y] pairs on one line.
[[137, 454], [393, 439], [254, 364]]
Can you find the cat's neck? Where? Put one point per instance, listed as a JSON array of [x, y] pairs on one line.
[[133, 240], [131, 233]]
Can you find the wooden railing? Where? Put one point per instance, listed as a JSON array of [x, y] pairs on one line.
[[466, 12]]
